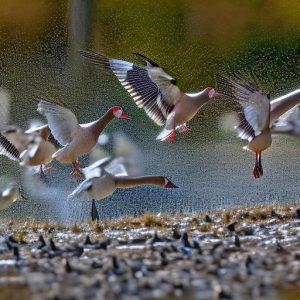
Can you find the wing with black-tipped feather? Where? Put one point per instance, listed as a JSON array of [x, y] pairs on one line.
[[150, 87], [61, 121], [256, 106], [8, 149]]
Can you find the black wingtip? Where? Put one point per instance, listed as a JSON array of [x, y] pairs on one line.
[[50, 100], [95, 58], [146, 59], [244, 129], [9, 147]]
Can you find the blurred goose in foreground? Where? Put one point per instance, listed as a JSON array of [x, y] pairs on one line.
[[283, 104], [288, 123], [284, 116], [127, 156], [254, 126], [33, 147], [37, 153], [101, 184], [76, 139], [107, 174], [9, 196], [156, 92]]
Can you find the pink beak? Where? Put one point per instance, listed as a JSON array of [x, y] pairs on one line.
[[169, 184], [212, 93], [125, 116]]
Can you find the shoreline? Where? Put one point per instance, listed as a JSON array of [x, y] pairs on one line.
[[240, 253]]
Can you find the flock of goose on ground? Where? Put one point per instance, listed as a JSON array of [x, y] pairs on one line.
[[63, 138]]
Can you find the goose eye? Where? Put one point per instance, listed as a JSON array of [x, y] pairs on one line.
[[174, 81], [269, 96]]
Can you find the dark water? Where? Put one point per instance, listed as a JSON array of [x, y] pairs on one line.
[[192, 40]]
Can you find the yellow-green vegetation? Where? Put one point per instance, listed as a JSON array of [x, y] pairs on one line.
[[260, 214]]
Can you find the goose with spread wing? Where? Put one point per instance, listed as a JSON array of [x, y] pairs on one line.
[[254, 124], [38, 152], [32, 147], [103, 179], [156, 92], [288, 123], [76, 139]]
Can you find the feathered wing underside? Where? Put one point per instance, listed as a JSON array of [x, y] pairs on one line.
[[256, 106], [288, 119], [4, 108], [95, 169], [8, 149], [244, 129], [62, 122], [81, 188], [129, 155], [116, 167], [150, 87], [29, 153]]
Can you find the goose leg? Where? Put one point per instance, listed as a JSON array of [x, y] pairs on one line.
[[49, 169], [40, 172], [94, 211], [258, 169], [169, 132], [76, 172]]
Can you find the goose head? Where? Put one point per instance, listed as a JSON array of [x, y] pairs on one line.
[[119, 113]]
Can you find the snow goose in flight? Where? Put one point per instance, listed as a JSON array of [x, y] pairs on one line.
[[76, 139], [156, 92], [254, 124]]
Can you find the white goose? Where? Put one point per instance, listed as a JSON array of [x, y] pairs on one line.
[[33, 147], [108, 174], [102, 184], [156, 92], [76, 139], [254, 126]]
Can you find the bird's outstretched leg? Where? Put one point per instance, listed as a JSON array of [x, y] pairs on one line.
[[169, 132], [94, 212], [258, 169], [76, 172], [48, 169], [40, 171]]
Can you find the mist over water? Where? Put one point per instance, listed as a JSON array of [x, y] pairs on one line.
[[190, 40]]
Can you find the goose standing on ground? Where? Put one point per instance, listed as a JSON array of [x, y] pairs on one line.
[[254, 126], [76, 139], [156, 92], [100, 184]]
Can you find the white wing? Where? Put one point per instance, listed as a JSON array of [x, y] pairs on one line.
[[8, 149], [62, 122], [4, 108], [256, 106], [150, 87]]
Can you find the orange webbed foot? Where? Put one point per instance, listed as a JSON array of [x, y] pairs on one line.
[[170, 137], [76, 173]]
